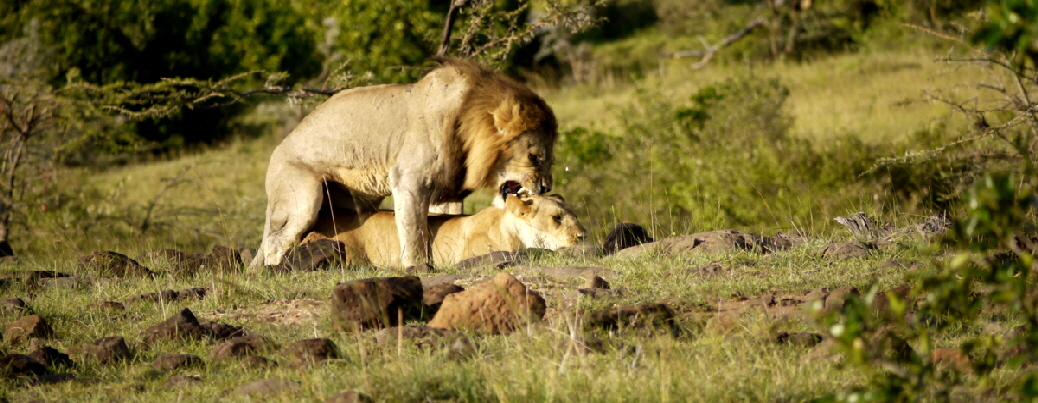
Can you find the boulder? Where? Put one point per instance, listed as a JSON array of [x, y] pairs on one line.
[[14, 365], [27, 327], [184, 325], [51, 357], [350, 396], [321, 254], [502, 304], [106, 350], [375, 302], [113, 264], [625, 235], [311, 351], [640, 316], [170, 362], [709, 242]]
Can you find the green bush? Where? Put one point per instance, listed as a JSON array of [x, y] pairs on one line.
[[722, 159]]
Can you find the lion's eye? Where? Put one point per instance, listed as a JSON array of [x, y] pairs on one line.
[[535, 159], [558, 219]]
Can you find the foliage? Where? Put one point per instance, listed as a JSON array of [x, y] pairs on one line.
[[992, 272], [123, 41], [385, 39], [722, 159]]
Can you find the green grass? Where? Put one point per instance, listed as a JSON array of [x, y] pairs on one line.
[[215, 197], [701, 364]]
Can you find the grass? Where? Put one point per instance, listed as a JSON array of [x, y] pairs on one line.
[[215, 197], [703, 364]]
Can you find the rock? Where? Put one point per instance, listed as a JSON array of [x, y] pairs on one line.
[[595, 282], [881, 301], [826, 350], [224, 260], [421, 336], [311, 351], [106, 350], [109, 306], [943, 357], [641, 316], [845, 250], [51, 357], [13, 305], [819, 293], [708, 242], [221, 331], [321, 254], [799, 339], [31, 278], [169, 295], [625, 235], [53, 378], [241, 347], [584, 250], [423, 268], [434, 295], [350, 396], [564, 271], [112, 264], [886, 345], [500, 305], [253, 361], [179, 381], [834, 300], [907, 265], [184, 325], [460, 348], [497, 260], [14, 365], [710, 270], [597, 293], [246, 254], [26, 327], [173, 255], [267, 386], [170, 362], [433, 281], [375, 302]]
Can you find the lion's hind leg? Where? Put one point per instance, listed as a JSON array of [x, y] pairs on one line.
[[294, 198]]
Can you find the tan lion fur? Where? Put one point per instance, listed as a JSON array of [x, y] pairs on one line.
[[460, 128], [526, 221]]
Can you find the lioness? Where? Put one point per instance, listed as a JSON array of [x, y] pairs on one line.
[[525, 221], [460, 128]]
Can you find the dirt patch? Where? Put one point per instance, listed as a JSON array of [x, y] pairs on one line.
[[287, 312]]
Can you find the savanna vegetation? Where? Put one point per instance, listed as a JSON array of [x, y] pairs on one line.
[[137, 126]]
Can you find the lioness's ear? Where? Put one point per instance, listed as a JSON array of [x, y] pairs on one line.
[[557, 197], [518, 204], [506, 115]]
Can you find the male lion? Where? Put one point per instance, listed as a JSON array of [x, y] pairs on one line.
[[525, 221], [461, 127]]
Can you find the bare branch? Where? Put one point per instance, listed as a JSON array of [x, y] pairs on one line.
[[448, 26]]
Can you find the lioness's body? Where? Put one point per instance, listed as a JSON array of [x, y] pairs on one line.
[[527, 221], [459, 128]]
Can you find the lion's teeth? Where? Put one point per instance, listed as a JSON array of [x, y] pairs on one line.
[[523, 191]]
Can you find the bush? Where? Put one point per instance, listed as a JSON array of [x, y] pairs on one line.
[[722, 159]]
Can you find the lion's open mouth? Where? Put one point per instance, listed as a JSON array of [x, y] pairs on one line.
[[510, 188]]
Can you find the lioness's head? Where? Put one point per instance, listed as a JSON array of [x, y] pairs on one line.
[[544, 221]]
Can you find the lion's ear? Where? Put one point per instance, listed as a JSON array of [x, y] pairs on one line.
[[506, 115]]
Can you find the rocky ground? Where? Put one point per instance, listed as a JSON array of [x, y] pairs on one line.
[[190, 337]]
